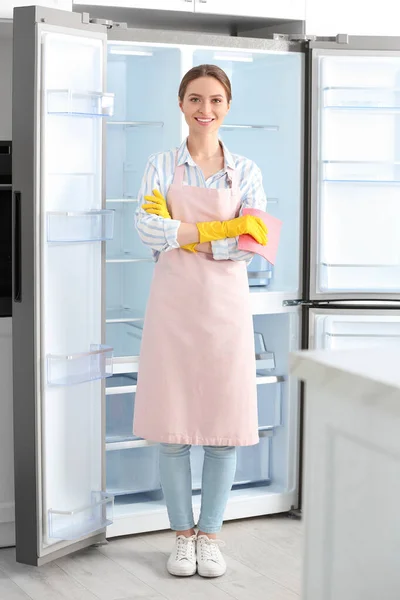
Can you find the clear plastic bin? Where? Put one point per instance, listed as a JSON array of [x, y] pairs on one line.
[[253, 463], [133, 471], [76, 523], [259, 272], [90, 226], [78, 368], [119, 414], [269, 397], [76, 103]]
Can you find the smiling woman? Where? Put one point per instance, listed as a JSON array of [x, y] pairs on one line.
[[198, 328]]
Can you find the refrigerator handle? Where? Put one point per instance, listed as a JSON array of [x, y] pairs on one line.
[[17, 255]]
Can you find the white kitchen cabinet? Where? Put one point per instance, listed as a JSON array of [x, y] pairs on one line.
[[177, 5], [7, 6], [357, 17], [7, 530], [268, 9], [351, 473]]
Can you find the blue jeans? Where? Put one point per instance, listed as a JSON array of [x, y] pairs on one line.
[[176, 480]]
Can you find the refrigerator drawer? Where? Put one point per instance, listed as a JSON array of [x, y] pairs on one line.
[[253, 464], [120, 406], [269, 398], [133, 471]]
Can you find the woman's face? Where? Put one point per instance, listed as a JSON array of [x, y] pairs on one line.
[[205, 105]]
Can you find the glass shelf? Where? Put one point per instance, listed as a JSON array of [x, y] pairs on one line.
[[74, 524], [123, 315], [362, 98], [126, 257], [361, 172], [128, 124], [75, 227], [81, 104], [265, 127], [121, 384], [80, 368]]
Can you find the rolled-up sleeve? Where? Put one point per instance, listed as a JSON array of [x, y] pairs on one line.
[[157, 233], [252, 196]]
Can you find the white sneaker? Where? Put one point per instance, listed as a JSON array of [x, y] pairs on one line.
[[210, 562], [182, 561]]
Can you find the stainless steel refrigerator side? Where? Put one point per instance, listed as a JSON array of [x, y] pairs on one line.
[[355, 47], [25, 343], [27, 359]]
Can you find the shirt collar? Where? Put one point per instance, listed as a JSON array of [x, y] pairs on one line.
[[185, 157]]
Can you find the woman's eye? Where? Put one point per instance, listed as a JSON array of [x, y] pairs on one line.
[[194, 99], [217, 100]]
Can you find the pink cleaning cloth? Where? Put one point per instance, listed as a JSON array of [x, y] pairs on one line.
[[247, 242]]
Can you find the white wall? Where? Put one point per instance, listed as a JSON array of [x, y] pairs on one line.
[[356, 17], [5, 87]]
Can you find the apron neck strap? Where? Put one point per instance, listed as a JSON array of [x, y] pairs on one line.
[[233, 176]]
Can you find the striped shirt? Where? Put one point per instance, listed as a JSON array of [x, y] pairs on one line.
[[160, 234]]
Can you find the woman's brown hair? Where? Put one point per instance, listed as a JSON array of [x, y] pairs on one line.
[[205, 71]]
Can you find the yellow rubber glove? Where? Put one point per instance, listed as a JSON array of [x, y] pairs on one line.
[[220, 230], [158, 205]]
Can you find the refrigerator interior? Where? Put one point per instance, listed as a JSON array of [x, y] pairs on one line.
[[267, 128], [358, 173], [348, 329], [73, 225]]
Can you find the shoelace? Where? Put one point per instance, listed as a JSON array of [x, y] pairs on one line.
[[185, 548], [209, 549]]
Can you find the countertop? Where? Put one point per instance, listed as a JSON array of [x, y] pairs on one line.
[[370, 370]]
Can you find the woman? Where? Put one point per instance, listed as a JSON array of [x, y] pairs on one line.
[[197, 362]]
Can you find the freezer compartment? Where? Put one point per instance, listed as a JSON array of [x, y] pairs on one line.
[[346, 330], [75, 524], [120, 406], [90, 226], [267, 128], [79, 368], [133, 470], [79, 103], [140, 127], [253, 464]]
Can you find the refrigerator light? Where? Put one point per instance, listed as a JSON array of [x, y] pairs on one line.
[[233, 56], [129, 52]]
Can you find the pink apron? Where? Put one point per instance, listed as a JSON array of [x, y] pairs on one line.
[[197, 371]]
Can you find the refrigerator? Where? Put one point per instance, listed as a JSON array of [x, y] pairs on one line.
[[91, 102]]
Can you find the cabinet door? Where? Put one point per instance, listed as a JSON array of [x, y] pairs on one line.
[[284, 9], [7, 535], [7, 6], [348, 329], [178, 5]]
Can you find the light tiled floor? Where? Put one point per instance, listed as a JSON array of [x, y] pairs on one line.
[[263, 556]]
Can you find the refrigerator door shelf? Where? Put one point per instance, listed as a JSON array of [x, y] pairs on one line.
[[361, 98], [252, 467], [78, 227], [74, 524], [79, 103], [79, 368], [133, 471]]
